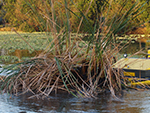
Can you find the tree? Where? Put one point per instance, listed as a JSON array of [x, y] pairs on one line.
[[20, 13], [94, 12], [35, 15], [2, 12]]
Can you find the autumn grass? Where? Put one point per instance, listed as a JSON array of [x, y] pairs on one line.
[[82, 68]]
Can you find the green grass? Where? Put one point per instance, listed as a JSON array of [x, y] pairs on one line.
[[38, 40], [11, 41]]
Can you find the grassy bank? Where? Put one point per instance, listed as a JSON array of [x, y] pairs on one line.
[[39, 40], [12, 41]]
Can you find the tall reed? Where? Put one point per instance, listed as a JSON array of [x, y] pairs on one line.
[[80, 65]]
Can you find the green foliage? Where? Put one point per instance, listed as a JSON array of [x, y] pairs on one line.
[[8, 59], [95, 11], [18, 15], [145, 16], [27, 15], [2, 12]]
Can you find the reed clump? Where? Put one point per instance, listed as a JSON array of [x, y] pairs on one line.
[[47, 73], [82, 67]]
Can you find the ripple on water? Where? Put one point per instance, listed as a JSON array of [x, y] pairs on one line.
[[136, 102]]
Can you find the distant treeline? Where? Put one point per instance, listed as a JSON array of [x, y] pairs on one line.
[[35, 15]]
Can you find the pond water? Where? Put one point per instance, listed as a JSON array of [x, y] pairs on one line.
[[134, 102]]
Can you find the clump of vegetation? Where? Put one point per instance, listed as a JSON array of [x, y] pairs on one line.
[[81, 67]]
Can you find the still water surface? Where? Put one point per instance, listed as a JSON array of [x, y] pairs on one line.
[[135, 102]]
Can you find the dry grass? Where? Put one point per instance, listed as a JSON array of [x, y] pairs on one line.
[[77, 73], [6, 29], [82, 68]]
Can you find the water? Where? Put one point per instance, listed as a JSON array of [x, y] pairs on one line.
[[135, 102]]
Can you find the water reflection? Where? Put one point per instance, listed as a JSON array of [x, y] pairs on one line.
[[135, 102], [24, 53], [10, 57], [19, 53]]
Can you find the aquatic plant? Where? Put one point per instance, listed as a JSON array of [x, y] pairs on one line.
[[81, 66]]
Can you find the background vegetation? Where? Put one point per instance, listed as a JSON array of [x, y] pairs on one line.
[[19, 14]]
